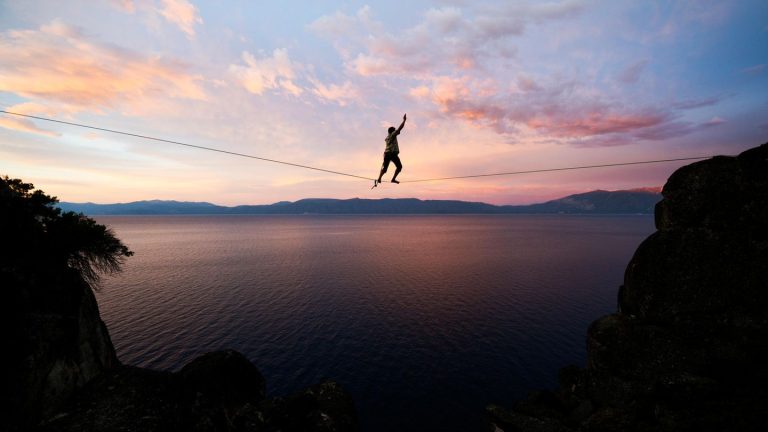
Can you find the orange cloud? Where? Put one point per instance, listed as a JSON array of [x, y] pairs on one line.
[[59, 66], [182, 13], [268, 73], [26, 125]]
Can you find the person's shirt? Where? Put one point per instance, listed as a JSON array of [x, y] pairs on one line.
[[391, 141]]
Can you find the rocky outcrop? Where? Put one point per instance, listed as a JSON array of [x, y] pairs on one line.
[[60, 373], [219, 391], [688, 348], [58, 342]]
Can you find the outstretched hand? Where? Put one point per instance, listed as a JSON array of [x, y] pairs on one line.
[[403, 117]]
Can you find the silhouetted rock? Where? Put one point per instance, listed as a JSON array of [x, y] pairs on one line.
[[219, 391], [688, 348], [58, 342], [225, 377], [214, 386], [126, 398], [59, 370], [64, 376], [325, 407]]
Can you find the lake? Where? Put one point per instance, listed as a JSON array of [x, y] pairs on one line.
[[423, 319]]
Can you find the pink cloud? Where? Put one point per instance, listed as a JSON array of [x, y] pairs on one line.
[[559, 111], [182, 13], [527, 84], [714, 121], [59, 65], [281, 74], [126, 6], [599, 121], [341, 94], [444, 38], [610, 140], [419, 92], [276, 72], [26, 125]]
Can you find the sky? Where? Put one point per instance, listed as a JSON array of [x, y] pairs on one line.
[[488, 86]]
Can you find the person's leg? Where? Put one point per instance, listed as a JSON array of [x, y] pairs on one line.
[[384, 166], [398, 165]]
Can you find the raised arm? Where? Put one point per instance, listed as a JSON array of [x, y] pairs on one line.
[[401, 124]]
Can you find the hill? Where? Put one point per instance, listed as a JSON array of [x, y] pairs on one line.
[[595, 202]]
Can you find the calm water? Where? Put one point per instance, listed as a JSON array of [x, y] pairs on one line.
[[424, 319]]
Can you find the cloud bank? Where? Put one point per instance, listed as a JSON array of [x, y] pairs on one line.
[[59, 65], [464, 63]]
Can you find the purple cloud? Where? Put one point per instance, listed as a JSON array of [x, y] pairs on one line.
[[445, 38], [631, 74]]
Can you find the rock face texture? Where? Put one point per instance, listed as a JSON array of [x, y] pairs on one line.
[[58, 342], [688, 348], [219, 391]]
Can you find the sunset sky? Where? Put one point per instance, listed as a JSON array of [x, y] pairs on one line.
[[488, 86]]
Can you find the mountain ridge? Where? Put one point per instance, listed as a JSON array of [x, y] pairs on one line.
[[636, 201]]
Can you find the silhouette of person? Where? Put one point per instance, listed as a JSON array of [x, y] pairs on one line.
[[391, 152]]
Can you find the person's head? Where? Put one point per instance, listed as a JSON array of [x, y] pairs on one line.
[[391, 129]]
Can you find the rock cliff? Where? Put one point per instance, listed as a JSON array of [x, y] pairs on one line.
[[58, 343], [688, 348], [61, 374], [59, 370]]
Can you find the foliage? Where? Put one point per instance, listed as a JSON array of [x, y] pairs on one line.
[[38, 236]]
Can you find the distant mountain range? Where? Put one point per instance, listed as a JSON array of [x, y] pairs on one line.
[[640, 201]]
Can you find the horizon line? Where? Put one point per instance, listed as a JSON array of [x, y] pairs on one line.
[[654, 190]]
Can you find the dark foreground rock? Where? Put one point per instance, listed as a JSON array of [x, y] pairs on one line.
[[135, 399], [61, 374], [64, 376], [688, 348], [56, 340], [59, 371]]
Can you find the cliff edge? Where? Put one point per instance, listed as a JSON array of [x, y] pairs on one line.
[[688, 348], [60, 372]]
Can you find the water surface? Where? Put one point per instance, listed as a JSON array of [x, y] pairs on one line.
[[424, 319]]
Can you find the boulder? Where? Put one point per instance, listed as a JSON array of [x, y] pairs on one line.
[[224, 377], [214, 386]]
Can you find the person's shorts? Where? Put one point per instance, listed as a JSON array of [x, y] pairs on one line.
[[391, 157]]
